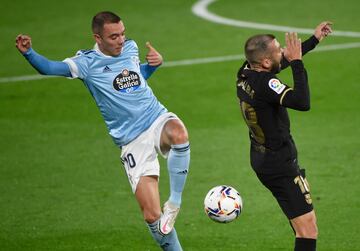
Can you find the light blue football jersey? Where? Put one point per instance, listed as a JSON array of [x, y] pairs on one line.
[[123, 96]]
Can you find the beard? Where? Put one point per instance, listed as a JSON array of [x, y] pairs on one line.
[[275, 68]]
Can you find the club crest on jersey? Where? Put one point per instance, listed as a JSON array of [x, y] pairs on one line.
[[276, 85], [135, 60], [127, 81]]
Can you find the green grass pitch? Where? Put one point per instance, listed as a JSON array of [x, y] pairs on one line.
[[62, 186]]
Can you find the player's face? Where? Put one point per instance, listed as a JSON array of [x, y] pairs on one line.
[[276, 56], [112, 38]]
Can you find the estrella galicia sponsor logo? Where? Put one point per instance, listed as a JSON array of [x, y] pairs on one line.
[[127, 81]]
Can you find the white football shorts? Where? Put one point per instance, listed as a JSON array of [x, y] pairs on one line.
[[139, 157]]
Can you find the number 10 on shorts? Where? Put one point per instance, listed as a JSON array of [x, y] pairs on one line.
[[129, 160]]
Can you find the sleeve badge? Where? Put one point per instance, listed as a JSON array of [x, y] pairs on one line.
[[276, 85]]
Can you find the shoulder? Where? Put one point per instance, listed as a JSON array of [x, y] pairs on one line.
[[265, 76], [276, 85], [268, 82], [85, 57], [130, 42], [79, 64], [271, 84], [87, 53], [130, 45]]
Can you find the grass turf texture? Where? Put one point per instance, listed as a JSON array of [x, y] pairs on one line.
[[61, 183]]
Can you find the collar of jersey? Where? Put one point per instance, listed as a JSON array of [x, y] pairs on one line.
[[96, 48]]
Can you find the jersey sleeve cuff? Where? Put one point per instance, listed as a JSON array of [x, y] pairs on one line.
[[284, 93], [28, 52], [73, 68]]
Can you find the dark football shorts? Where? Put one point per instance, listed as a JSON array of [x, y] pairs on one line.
[[292, 192]]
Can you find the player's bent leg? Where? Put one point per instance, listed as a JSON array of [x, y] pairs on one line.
[[174, 132], [305, 225], [147, 195], [306, 231], [174, 139]]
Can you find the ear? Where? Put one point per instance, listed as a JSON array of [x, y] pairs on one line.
[[97, 38], [266, 63]]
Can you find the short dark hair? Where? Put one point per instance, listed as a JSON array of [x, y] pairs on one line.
[[256, 47], [104, 17]]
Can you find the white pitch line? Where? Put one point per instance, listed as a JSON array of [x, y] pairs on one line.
[[24, 78], [203, 60], [194, 61], [334, 47], [200, 9]]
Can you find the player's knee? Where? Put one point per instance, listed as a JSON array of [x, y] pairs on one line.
[[150, 216], [177, 133], [179, 136], [308, 229], [309, 233]]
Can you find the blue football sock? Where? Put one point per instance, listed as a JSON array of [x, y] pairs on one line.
[[169, 242], [178, 166]]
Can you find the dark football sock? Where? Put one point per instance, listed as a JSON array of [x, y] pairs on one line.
[[304, 244]]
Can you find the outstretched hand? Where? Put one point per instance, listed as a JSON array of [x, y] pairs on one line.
[[323, 30], [292, 51], [153, 57], [23, 43]]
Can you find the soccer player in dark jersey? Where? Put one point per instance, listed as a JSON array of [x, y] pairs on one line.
[[263, 102]]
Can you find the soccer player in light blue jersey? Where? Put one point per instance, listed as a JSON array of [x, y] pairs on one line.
[[138, 123]]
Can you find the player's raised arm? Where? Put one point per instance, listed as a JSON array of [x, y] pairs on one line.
[[321, 31], [297, 98], [154, 60], [39, 62]]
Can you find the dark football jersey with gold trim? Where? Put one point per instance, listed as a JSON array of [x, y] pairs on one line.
[[264, 100], [259, 95]]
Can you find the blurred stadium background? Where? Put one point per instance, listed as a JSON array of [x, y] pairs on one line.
[[62, 186]]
